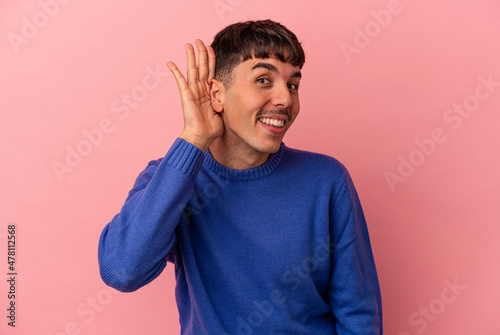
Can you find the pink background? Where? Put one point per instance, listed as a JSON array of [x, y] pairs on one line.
[[380, 83]]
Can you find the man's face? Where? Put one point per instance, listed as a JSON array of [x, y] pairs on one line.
[[261, 104]]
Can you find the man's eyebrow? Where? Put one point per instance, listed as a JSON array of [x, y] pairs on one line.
[[273, 68], [266, 66]]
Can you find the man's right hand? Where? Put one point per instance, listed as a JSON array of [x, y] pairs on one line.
[[202, 125]]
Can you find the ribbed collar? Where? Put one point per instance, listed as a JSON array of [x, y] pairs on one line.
[[245, 175]]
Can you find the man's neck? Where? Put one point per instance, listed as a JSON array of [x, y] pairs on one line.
[[235, 155]]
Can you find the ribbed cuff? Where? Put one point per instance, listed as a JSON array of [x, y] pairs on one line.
[[185, 157]]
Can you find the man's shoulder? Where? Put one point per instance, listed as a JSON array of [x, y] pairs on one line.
[[313, 162]]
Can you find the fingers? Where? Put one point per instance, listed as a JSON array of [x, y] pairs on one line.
[[203, 72], [211, 63], [192, 69], [179, 78], [203, 69]]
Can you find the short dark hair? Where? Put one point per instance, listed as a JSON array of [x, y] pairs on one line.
[[261, 39]]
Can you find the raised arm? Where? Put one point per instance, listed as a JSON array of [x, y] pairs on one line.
[[134, 246]]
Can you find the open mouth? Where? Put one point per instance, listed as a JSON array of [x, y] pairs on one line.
[[272, 122], [274, 125]]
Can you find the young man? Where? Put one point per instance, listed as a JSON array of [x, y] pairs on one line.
[[265, 239]]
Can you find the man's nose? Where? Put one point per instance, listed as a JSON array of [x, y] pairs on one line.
[[281, 96]]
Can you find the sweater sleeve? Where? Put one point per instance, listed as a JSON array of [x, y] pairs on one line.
[[354, 288], [134, 246]]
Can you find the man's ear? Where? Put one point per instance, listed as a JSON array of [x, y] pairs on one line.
[[217, 95]]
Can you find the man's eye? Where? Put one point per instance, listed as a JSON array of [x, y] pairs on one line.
[[263, 80], [293, 87]]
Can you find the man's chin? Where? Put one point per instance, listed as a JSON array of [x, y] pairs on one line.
[[270, 148]]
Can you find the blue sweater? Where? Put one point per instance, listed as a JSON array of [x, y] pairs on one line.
[[278, 249]]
